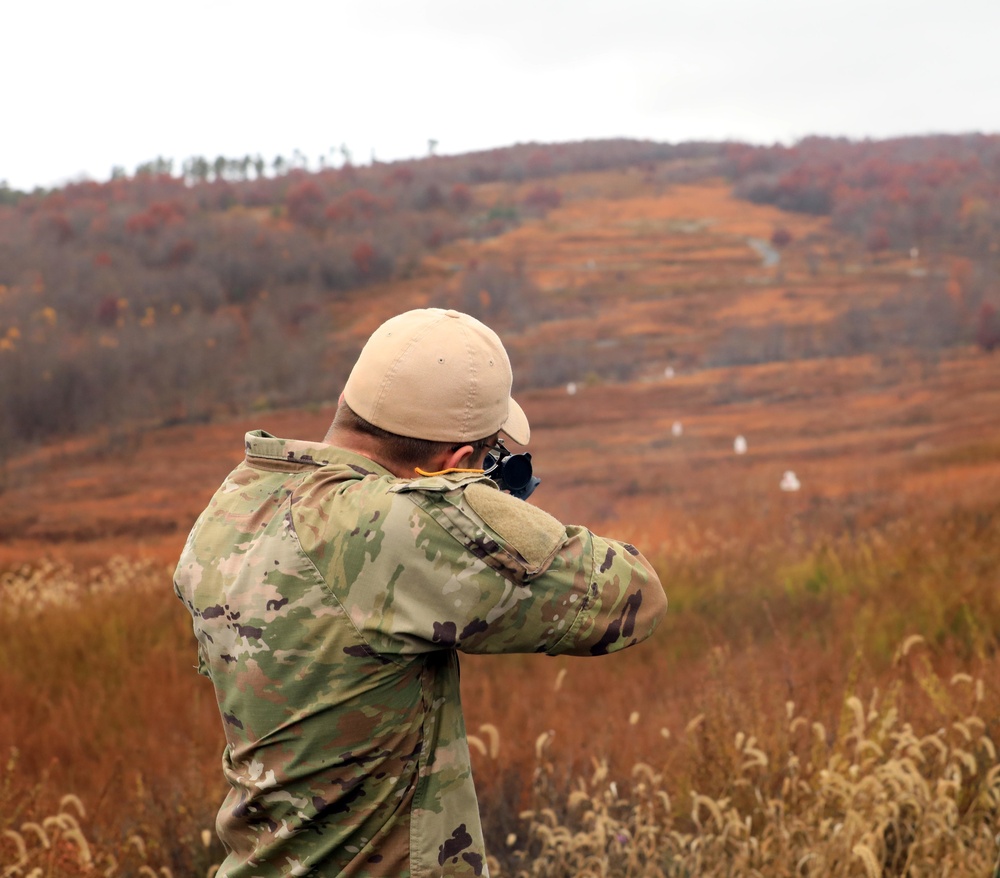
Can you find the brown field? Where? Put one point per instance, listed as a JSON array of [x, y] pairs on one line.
[[777, 598]]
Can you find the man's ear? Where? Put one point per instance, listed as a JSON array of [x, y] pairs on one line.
[[460, 458]]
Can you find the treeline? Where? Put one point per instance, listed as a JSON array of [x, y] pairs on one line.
[[180, 293], [932, 193], [176, 297]]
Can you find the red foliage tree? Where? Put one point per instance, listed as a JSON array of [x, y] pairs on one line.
[[55, 226], [155, 217], [543, 198], [877, 241], [364, 203], [431, 198], [304, 203], [988, 328], [400, 176], [781, 237], [363, 257], [461, 197], [108, 310], [358, 204], [539, 162], [181, 252]]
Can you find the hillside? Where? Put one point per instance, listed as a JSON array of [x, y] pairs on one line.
[[620, 286], [148, 299], [833, 305]]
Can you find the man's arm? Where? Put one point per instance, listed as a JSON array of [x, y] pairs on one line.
[[494, 574], [624, 601]]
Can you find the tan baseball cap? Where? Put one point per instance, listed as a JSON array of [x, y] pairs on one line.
[[438, 375]]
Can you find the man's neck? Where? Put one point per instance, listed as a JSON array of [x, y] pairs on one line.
[[366, 446]]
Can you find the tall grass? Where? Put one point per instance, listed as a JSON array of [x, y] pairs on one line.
[[808, 708], [877, 795], [97, 703]]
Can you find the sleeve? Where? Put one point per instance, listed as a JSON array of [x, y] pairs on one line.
[[203, 666], [618, 600], [495, 574]]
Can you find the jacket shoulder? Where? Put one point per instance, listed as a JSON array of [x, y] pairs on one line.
[[530, 531], [508, 533]]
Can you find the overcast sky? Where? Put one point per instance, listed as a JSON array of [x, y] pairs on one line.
[[90, 85]]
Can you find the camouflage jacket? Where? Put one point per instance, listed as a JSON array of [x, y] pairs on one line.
[[329, 599]]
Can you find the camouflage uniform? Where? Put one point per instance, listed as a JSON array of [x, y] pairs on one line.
[[329, 599]]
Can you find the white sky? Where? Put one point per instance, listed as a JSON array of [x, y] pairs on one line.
[[88, 85]]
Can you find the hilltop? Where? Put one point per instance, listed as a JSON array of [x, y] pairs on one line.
[[651, 289], [147, 299]]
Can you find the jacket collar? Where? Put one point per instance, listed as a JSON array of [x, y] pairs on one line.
[[261, 444]]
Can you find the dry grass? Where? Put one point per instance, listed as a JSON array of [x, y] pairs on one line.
[[787, 720], [880, 795], [57, 844], [33, 589], [98, 704]]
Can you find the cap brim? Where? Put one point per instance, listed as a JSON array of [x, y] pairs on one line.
[[516, 425]]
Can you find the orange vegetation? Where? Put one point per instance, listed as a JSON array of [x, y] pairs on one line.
[[776, 596]]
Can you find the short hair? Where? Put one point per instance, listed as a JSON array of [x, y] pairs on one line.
[[405, 451]]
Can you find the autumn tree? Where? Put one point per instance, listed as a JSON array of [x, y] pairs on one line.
[[363, 256], [542, 198], [304, 204], [781, 237], [988, 328], [877, 241]]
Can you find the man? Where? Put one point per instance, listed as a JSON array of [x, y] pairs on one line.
[[331, 585]]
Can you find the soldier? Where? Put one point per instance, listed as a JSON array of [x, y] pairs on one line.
[[331, 585]]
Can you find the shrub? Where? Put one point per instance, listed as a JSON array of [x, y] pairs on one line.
[[781, 237], [305, 204], [988, 328], [542, 198]]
